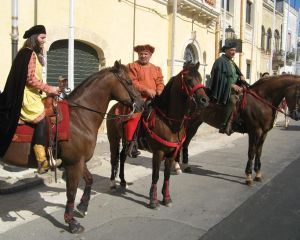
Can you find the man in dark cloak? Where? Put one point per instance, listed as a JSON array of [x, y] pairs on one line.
[[12, 97], [225, 78]]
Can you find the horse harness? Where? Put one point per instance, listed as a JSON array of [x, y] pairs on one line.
[[149, 122]]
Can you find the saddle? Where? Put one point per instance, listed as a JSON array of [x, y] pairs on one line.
[[24, 131]]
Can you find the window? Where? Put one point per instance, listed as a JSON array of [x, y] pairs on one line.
[[248, 69], [227, 5], [248, 12], [191, 53], [269, 37], [263, 37], [277, 40]]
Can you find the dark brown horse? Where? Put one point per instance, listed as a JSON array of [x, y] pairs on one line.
[[256, 119], [163, 136], [88, 104]]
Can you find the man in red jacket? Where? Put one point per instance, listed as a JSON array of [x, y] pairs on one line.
[[148, 80]]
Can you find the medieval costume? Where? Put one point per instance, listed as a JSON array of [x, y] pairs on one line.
[[21, 100], [224, 74], [144, 77]]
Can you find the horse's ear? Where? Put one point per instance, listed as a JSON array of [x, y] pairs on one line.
[[117, 64], [187, 64], [197, 65]]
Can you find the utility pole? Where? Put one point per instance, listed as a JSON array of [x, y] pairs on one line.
[[14, 28]]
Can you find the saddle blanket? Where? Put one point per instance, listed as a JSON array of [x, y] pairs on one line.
[[24, 133]]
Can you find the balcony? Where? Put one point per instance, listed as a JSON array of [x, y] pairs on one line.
[[203, 11]]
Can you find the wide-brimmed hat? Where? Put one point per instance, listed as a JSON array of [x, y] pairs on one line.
[[228, 45], [145, 47], [37, 29]]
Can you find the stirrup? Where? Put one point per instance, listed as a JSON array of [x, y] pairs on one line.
[[132, 150], [52, 162]]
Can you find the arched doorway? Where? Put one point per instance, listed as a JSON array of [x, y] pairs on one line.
[[86, 61]]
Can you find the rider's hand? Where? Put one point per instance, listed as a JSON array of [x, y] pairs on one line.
[[150, 93], [236, 88]]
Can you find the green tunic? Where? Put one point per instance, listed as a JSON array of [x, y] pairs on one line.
[[224, 73]]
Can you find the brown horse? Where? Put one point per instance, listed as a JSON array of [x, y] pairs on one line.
[[164, 133], [256, 119], [88, 104]]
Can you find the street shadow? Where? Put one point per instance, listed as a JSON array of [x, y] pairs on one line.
[[129, 195], [10, 205], [198, 170], [291, 128]]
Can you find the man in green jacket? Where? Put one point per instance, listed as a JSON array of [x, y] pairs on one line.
[[225, 78]]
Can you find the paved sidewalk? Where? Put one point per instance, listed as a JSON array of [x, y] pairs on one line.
[[14, 179]]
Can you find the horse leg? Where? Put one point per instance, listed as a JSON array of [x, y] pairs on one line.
[[251, 152], [156, 159], [73, 174], [114, 161], [123, 156], [82, 207], [165, 190], [257, 163]]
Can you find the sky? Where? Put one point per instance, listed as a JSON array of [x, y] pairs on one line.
[[295, 4]]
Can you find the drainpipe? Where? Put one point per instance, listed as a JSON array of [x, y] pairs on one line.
[[286, 34], [133, 37], [14, 28], [253, 46], [173, 36], [224, 22], [242, 32], [272, 40], [71, 47]]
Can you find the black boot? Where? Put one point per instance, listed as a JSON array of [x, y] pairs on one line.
[[132, 149]]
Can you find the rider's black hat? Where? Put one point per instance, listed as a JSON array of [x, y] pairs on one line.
[[37, 29], [228, 45]]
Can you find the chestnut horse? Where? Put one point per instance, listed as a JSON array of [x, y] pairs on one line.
[[164, 133], [88, 104], [256, 119]]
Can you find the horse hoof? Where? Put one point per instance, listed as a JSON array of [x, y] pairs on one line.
[[187, 170], [124, 185], [178, 171], [82, 210], [258, 179], [167, 203], [249, 182], [75, 227], [153, 205]]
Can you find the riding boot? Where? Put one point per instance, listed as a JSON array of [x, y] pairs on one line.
[[132, 149], [40, 155], [131, 130], [228, 129], [226, 126]]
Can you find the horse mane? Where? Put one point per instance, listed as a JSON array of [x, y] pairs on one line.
[[96, 76], [271, 79], [162, 101]]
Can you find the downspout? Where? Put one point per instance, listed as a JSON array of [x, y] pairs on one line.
[[252, 46], [224, 22], [242, 31], [133, 32], [272, 40], [14, 29], [173, 36], [71, 47]]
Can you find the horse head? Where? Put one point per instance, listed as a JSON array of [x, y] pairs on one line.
[[192, 84], [292, 97], [121, 72]]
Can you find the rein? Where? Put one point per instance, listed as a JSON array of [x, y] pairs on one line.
[[254, 94]]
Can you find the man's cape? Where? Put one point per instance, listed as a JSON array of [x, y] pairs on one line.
[[219, 86], [12, 97]]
